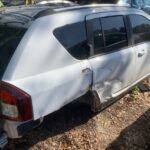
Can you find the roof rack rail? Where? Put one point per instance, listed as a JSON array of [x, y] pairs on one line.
[[91, 5]]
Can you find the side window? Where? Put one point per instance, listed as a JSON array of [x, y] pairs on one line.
[[141, 28], [95, 34], [73, 38], [114, 32]]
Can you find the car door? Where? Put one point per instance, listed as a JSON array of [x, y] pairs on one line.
[[111, 59], [141, 39]]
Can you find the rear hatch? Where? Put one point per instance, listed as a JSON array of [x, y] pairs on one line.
[[12, 29]]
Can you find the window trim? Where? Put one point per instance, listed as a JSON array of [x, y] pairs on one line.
[[90, 39]]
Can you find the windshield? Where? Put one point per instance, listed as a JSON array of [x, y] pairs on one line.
[[10, 37]]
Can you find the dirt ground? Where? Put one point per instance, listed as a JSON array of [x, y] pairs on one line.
[[123, 126]]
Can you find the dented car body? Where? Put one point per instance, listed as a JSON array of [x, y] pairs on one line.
[[61, 54]]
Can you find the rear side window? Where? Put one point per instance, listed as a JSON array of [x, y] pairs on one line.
[[141, 28], [10, 37], [73, 38], [114, 32], [95, 35]]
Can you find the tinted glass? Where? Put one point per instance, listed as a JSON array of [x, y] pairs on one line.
[[114, 32], [141, 28], [9, 40], [95, 33], [73, 38]]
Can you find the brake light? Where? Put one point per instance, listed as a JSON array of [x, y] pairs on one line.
[[15, 103]]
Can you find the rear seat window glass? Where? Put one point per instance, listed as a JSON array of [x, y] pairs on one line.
[[141, 28], [9, 39], [73, 38], [114, 32], [95, 34]]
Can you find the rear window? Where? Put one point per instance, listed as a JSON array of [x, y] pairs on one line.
[[73, 38], [10, 38]]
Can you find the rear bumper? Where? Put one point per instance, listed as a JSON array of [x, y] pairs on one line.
[[3, 139], [10, 127], [16, 130], [26, 127]]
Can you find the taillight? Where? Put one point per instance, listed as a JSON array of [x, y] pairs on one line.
[[15, 104]]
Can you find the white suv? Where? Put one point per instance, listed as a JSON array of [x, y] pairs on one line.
[[49, 57]]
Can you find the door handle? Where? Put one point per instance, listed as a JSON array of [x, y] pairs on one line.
[[141, 53]]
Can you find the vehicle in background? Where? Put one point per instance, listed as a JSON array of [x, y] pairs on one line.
[[146, 8], [140, 4]]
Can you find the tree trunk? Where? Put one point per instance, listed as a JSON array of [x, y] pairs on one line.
[[27, 2]]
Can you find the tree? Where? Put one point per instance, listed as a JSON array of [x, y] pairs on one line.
[[28, 2]]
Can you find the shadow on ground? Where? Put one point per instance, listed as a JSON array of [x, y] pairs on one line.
[[67, 118], [135, 136]]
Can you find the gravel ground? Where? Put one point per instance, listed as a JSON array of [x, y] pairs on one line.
[[123, 126]]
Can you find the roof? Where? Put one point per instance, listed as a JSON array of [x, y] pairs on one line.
[[93, 7], [33, 10]]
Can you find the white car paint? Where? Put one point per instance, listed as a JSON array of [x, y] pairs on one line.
[[112, 72], [43, 68], [54, 89], [142, 59]]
